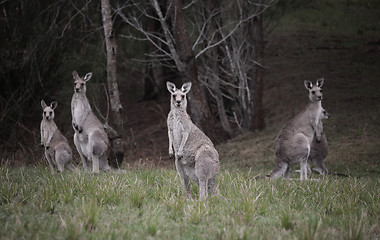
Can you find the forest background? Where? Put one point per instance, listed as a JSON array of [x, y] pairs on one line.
[[247, 61]]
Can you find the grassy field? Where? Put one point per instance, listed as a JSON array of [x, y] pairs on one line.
[[148, 203]]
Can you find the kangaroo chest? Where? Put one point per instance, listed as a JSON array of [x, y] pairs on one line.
[[318, 116], [80, 107], [48, 129], [179, 127], [177, 133], [314, 118]]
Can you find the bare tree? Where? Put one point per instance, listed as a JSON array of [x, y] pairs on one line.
[[239, 75], [222, 41], [173, 44], [37, 37], [215, 57], [115, 135], [199, 107], [258, 43]]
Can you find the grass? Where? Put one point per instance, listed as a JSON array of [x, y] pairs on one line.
[[149, 203], [322, 39]]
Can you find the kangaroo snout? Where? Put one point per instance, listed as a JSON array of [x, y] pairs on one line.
[[47, 116]]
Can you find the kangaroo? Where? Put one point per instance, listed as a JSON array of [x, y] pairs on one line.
[[90, 138], [295, 138], [57, 150], [319, 150], [80, 107], [195, 155]]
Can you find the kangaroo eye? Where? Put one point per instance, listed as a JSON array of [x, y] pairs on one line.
[[183, 96], [313, 92], [82, 84], [174, 96], [320, 91]]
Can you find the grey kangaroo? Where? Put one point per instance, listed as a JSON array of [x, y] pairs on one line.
[[90, 138], [195, 155], [295, 138], [57, 150], [319, 150]]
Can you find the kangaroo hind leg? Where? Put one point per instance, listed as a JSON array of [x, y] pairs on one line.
[[184, 178], [84, 159], [279, 170], [50, 161], [203, 189], [303, 163], [212, 186]]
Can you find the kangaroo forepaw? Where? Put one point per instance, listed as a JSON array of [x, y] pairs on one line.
[[80, 130], [179, 157], [171, 156]]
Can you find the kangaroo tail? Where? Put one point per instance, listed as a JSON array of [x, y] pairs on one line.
[[338, 174], [260, 177]]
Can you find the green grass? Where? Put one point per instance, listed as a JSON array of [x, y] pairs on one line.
[[149, 203]]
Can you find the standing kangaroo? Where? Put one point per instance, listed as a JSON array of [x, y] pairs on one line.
[[319, 150], [295, 138], [90, 138], [195, 155], [57, 150]]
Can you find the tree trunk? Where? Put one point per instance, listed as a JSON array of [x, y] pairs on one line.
[[258, 111], [117, 145], [198, 105], [216, 56]]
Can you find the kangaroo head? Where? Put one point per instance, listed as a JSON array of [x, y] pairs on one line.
[[48, 111], [178, 99], [315, 91], [80, 82], [324, 114]]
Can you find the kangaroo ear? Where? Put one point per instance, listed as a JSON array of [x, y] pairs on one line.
[[308, 84], [320, 82], [53, 105], [43, 104], [171, 87], [75, 74], [87, 77], [186, 87]]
